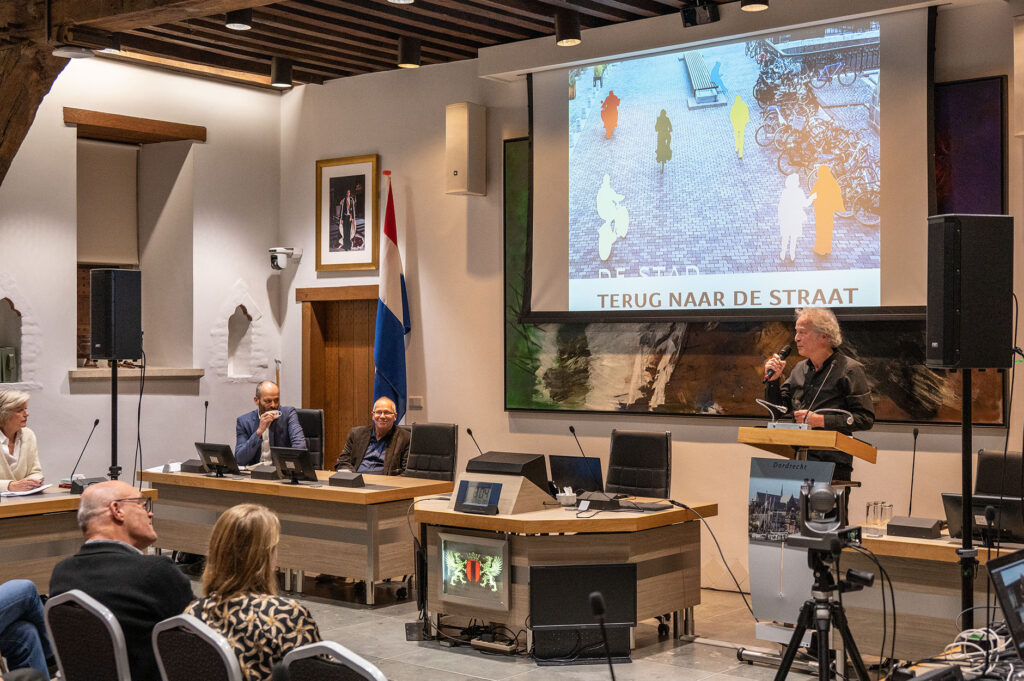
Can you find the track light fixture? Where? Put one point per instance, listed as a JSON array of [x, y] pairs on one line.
[[239, 19], [567, 28], [753, 5], [408, 53], [401, 2], [281, 72]]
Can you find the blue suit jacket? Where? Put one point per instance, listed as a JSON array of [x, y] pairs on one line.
[[285, 431]]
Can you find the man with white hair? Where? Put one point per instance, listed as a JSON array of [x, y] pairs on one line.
[[825, 380], [111, 566]]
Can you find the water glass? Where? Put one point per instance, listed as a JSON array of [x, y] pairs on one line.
[[873, 518]]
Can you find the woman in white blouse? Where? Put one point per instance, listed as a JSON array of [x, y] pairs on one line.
[[19, 458]]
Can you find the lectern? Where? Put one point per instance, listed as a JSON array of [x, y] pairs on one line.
[[793, 444]]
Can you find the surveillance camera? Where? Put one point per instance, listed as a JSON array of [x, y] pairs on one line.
[[280, 255]]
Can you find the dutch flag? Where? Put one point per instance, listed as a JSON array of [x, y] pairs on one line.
[[392, 316]]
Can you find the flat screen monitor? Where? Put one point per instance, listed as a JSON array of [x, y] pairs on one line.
[[1007, 575], [999, 475], [579, 473], [293, 464], [217, 459], [560, 595], [1009, 522]]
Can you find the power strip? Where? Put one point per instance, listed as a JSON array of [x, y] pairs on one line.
[[494, 646]]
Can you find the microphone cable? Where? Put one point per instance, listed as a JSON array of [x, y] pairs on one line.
[[137, 462]]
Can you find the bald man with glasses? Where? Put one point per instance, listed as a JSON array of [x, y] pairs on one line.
[[113, 568], [381, 448]]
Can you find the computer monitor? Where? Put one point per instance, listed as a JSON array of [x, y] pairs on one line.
[[217, 459], [1008, 525], [293, 464], [1007, 575], [579, 473]]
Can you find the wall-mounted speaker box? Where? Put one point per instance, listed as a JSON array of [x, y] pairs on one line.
[[970, 284], [465, 151], [116, 314]]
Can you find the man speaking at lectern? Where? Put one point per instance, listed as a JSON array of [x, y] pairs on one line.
[[826, 380]]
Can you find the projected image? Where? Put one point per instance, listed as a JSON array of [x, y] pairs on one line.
[[743, 175]]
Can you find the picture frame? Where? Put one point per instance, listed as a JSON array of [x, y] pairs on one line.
[[348, 213]]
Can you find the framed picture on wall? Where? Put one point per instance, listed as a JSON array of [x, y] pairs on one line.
[[347, 213]]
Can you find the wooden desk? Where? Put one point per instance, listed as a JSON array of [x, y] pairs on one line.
[[926, 577], [664, 545], [357, 532], [37, 532]]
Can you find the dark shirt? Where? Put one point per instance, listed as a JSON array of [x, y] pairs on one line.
[[139, 590], [840, 383], [373, 459]]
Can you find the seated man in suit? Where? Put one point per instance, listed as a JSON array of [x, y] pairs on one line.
[[380, 448], [269, 425], [112, 567]]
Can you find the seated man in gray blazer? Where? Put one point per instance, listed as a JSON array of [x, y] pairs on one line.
[[381, 448]]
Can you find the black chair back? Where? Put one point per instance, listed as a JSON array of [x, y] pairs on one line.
[[87, 638], [432, 451], [640, 464], [187, 649], [329, 661], [312, 422]]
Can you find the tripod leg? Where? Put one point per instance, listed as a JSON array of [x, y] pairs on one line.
[[802, 622], [821, 626], [839, 617]]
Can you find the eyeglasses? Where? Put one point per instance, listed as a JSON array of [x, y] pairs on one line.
[[383, 413], [144, 502]]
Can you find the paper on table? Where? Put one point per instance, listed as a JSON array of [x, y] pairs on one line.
[[36, 490]]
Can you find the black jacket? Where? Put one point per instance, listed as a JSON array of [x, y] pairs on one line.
[[139, 590]]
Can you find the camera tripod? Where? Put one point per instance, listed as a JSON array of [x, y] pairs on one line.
[[821, 612]]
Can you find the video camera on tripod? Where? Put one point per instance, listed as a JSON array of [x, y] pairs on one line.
[[823, 532]]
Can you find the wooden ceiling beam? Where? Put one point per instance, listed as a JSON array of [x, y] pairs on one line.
[[27, 72], [125, 15], [422, 16], [297, 30], [499, 11]]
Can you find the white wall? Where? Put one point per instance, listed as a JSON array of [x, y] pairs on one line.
[[452, 249], [235, 220]]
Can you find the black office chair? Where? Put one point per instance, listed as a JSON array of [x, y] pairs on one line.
[[87, 638], [998, 476], [187, 649], [312, 422], [329, 661], [640, 464], [432, 451]]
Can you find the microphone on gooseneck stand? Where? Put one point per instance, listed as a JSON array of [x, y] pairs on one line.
[[913, 463], [206, 411], [598, 486], [77, 487], [781, 354], [469, 431], [598, 609]]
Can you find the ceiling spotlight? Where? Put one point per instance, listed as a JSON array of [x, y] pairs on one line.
[[281, 72], [239, 19], [401, 2], [72, 52], [408, 53], [113, 44], [567, 28], [753, 5]]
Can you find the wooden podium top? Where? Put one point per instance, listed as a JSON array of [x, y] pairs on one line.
[[785, 442]]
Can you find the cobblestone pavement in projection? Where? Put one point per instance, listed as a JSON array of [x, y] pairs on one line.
[[709, 210]]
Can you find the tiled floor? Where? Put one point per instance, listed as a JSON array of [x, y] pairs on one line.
[[378, 634]]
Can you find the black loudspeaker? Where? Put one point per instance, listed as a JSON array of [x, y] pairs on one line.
[[698, 13], [970, 286], [116, 314]]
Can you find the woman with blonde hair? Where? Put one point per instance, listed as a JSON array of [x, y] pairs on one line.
[[240, 590], [19, 456]]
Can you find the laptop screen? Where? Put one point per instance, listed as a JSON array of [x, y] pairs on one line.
[[1007, 574]]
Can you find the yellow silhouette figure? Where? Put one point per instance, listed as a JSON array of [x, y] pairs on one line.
[[739, 115], [610, 113], [663, 126], [828, 198]]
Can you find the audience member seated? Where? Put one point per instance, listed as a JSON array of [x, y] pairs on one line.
[[380, 447], [269, 425], [19, 459], [112, 567], [240, 593], [23, 640]]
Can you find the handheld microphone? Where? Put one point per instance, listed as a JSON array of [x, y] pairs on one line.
[[598, 610], [206, 410], [78, 487], [913, 463], [781, 354], [597, 488], [469, 431]]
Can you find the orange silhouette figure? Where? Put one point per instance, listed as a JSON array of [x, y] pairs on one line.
[[610, 113], [828, 199]]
